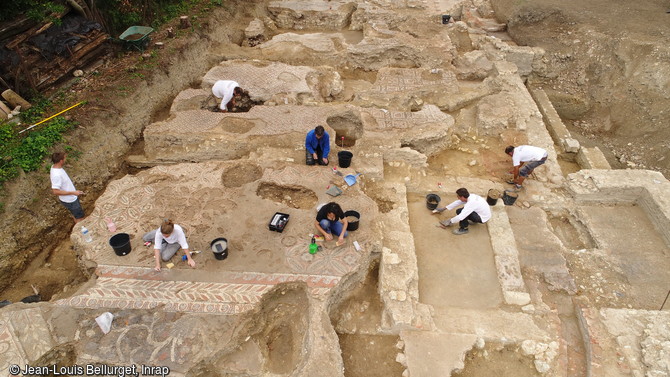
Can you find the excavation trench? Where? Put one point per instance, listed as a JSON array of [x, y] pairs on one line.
[[356, 318]]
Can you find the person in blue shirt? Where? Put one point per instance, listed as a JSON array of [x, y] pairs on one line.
[[317, 146]]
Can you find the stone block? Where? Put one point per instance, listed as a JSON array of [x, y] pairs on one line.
[[570, 145], [592, 158], [509, 272], [516, 298], [474, 65], [255, 29], [494, 114]]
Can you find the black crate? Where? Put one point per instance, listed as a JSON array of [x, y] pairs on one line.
[[278, 222]]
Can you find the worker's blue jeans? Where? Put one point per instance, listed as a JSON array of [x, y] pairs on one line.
[[332, 227]]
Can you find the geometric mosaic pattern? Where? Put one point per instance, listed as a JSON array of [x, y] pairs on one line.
[[336, 261], [404, 119], [401, 80], [239, 293], [130, 282], [11, 351], [24, 337], [263, 80], [266, 120]]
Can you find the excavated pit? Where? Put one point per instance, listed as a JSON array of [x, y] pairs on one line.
[[348, 128], [572, 237], [241, 174], [376, 193], [357, 320], [475, 156], [292, 196], [628, 268], [497, 360], [378, 359], [268, 340], [361, 310], [275, 335], [233, 125]]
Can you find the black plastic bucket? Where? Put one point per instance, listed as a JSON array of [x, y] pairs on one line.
[[445, 19], [509, 197], [353, 224], [492, 197], [432, 200], [219, 247], [344, 158], [120, 243]]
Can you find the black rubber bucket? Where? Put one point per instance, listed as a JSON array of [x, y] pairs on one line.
[[219, 248], [432, 200], [120, 243], [509, 197], [344, 158], [445, 19], [492, 197], [353, 217]]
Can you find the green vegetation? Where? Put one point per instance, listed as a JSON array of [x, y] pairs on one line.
[[37, 10], [27, 151], [121, 14], [118, 15]]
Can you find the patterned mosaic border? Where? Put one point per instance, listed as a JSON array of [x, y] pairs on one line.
[[140, 288]]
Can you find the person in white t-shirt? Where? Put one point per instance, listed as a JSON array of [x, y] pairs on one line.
[[226, 90], [168, 239], [475, 209], [525, 158], [62, 185]]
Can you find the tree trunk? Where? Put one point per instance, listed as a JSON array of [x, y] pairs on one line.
[[184, 22]]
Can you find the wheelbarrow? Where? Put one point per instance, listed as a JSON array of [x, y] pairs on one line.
[[136, 37], [351, 179]]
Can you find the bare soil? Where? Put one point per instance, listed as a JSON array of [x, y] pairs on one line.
[[55, 274], [606, 72], [378, 359], [498, 360], [292, 196]]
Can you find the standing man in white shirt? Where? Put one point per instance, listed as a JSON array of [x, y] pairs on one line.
[[62, 185], [525, 158], [226, 90], [475, 209]]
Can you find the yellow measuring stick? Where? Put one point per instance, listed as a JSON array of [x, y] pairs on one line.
[[57, 114]]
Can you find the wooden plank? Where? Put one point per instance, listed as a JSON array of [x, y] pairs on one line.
[[17, 26]]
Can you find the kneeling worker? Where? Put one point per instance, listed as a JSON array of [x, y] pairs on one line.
[[226, 90], [168, 239], [317, 146], [330, 221], [475, 209]]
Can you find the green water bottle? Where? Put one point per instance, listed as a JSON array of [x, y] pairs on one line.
[[313, 247]]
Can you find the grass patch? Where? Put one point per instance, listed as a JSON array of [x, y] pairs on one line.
[[27, 151]]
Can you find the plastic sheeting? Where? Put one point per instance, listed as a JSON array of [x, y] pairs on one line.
[[57, 39]]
